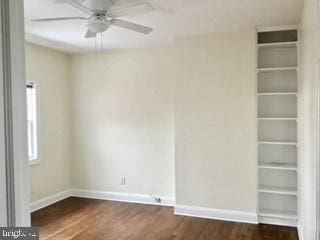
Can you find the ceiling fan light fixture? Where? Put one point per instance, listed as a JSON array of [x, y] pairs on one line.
[[98, 26]]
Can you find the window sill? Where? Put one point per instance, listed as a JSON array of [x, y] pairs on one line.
[[34, 162]]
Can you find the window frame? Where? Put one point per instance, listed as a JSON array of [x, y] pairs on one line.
[[36, 161]]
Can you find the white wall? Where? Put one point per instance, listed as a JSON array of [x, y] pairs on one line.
[[124, 109], [51, 70], [307, 111], [216, 122], [123, 121]]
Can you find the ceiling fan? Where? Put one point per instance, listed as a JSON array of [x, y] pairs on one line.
[[103, 14]]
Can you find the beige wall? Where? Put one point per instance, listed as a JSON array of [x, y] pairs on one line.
[[123, 121], [215, 122], [124, 109], [183, 113], [50, 69], [307, 108]]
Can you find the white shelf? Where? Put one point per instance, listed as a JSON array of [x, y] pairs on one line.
[[278, 45], [278, 166], [278, 214], [278, 221], [277, 93], [278, 143], [278, 190], [277, 69], [277, 119]]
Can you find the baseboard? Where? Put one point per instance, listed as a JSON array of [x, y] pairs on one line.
[[50, 200], [300, 231], [122, 197], [217, 214]]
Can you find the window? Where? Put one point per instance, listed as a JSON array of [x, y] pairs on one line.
[[32, 121]]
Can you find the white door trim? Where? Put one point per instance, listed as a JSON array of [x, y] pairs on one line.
[[13, 142], [3, 193], [7, 107], [318, 125], [19, 115]]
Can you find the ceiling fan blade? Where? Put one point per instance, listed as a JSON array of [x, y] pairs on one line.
[[58, 19], [131, 26], [76, 4], [116, 12], [90, 34]]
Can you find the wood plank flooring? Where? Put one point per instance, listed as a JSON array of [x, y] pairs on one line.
[[79, 219]]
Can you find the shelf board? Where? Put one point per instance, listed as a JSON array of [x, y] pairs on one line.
[[277, 69], [280, 93], [278, 214], [278, 190], [277, 119], [278, 143], [277, 45], [278, 166]]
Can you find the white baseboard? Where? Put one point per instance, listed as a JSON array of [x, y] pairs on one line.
[[49, 200], [122, 197], [217, 214], [300, 232]]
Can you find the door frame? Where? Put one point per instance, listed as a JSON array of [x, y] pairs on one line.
[[318, 124], [3, 192], [14, 169]]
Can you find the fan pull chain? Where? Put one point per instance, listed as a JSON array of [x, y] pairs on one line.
[[101, 43], [95, 46], [98, 49]]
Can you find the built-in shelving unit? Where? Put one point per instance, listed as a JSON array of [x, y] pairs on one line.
[[277, 122]]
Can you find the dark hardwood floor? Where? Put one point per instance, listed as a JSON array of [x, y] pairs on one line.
[[78, 219]]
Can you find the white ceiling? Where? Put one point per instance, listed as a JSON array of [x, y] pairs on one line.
[[170, 19]]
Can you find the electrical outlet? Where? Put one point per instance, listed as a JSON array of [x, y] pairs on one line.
[[157, 199], [123, 180]]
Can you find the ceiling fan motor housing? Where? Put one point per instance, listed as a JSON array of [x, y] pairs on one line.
[[97, 25]]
